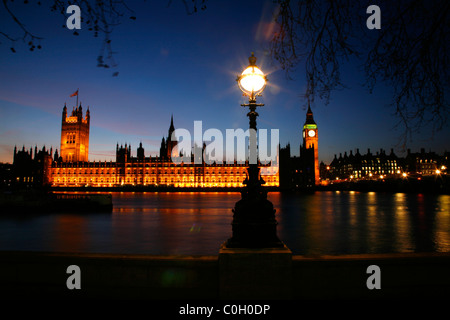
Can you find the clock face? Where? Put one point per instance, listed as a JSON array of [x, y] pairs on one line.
[[311, 133]]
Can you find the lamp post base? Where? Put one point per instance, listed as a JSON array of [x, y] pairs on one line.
[[255, 273], [254, 224]]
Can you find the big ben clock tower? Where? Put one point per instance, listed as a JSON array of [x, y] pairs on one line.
[[310, 143]]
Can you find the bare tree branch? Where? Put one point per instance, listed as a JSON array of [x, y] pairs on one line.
[[100, 17], [27, 36], [317, 33], [409, 53], [410, 56]]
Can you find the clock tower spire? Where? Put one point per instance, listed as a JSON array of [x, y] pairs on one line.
[[310, 144]]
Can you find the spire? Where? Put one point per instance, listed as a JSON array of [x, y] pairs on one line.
[[79, 112], [172, 128], [64, 113], [309, 108], [309, 116], [88, 115]]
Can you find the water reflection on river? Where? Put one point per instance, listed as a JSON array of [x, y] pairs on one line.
[[199, 222]]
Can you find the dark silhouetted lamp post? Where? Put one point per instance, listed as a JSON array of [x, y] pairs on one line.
[[254, 224]]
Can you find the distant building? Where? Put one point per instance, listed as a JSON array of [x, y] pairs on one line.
[[422, 162], [72, 169], [6, 175], [356, 166], [384, 165], [303, 171], [31, 171]]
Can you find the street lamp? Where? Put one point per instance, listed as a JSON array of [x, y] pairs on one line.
[[254, 224], [252, 81]]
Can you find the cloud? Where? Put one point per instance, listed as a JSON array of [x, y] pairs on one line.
[[266, 25], [265, 30]]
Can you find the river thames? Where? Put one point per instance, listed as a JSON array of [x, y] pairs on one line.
[[197, 223]]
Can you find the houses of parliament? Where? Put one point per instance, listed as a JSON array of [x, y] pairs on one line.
[[70, 166]]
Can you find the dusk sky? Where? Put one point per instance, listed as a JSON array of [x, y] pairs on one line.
[[170, 62]]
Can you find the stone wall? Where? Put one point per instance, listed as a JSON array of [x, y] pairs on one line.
[[44, 275]]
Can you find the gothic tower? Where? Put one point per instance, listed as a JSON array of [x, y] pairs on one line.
[[171, 142], [75, 135], [310, 143]]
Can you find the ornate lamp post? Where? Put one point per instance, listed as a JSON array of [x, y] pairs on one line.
[[254, 224]]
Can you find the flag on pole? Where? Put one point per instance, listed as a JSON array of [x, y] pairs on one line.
[[74, 94]]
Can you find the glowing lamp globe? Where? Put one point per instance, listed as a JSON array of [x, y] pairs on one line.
[[252, 81]]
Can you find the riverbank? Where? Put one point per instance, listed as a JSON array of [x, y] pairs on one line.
[[152, 188], [42, 275], [38, 201], [426, 184], [436, 184], [430, 185]]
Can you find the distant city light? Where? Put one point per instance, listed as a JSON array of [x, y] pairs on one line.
[[438, 171]]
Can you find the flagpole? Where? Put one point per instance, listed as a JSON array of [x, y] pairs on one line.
[[78, 92]]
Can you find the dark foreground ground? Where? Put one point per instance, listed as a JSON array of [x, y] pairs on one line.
[[40, 275]]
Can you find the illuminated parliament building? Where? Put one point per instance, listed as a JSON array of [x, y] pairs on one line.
[[71, 168]]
